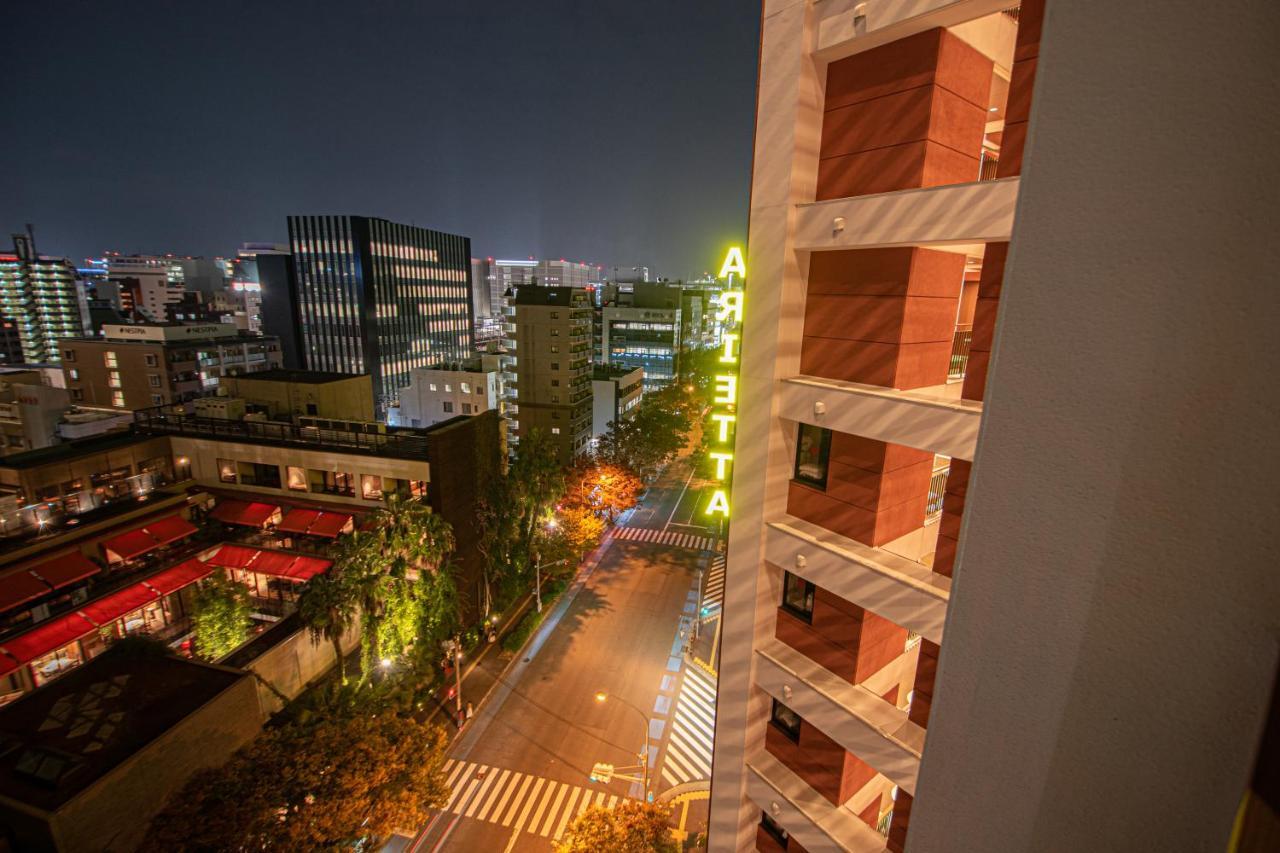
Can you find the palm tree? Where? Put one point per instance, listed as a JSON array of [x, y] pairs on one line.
[[328, 607]]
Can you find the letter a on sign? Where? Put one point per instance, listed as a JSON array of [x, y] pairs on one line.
[[733, 263]]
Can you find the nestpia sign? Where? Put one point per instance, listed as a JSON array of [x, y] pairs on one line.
[[724, 414]]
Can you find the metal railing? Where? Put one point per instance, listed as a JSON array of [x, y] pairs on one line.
[[987, 167], [937, 490], [960, 343], [397, 444]]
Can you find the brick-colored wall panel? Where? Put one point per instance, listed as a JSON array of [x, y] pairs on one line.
[[766, 843], [898, 167], [801, 636], [991, 278], [871, 814], [877, 491], [900, 366], [984, 324], [958, 477], [944, 556], [886, 272], [897, 840], [871, 528], [1030, 22], [873, 455], [884, 319], [931, 58], [975, 375], [1015, 139], [1022, 80], [926, 113], [821, 762], [880, 642]]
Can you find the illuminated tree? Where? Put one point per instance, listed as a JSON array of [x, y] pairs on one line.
[[220, 616], [328, 608], [632, 827], [333, 783], [605, 488]]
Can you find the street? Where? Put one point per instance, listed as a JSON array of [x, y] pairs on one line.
[[520, 771]]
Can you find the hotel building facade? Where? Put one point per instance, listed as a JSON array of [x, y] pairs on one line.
[[996, 570]]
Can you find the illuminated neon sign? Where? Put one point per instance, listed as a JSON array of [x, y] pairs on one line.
[[724, 414]]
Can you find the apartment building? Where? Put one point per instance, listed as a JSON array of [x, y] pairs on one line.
[[643, 328], [551, 339], [998, 568], [140, 366], [615, 393], [445, 391], [40, 302]]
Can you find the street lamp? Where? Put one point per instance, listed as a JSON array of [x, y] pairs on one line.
[[601, 698]]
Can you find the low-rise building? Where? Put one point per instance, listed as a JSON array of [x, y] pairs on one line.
[[285, 395], [615, 394], [445, 391], [140, 366], [92, 758], [29, 410]]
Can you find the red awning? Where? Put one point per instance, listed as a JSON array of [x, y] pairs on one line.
[[305, 568], [170, 529], [233, 556], [298, 520], [176, 577], [247, 514], [19, 588], [7, 664], [126, 546], [66, 569], [272, 563], [117, 604], [49, 636], [330, 524]]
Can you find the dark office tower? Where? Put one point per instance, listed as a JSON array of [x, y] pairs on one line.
[[378, 297]]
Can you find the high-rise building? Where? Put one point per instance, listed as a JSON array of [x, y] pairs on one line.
[[1000, 571], [551, 339], [643, 329], [141, 286], [373, 296], [40, 295], [502, 275]]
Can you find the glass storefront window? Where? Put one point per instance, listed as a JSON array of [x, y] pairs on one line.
[[56, 662]]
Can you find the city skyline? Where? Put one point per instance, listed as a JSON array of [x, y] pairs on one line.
[[213, 145]]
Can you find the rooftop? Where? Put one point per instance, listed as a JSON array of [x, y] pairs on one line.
[[536, 294], [60, 739], [71, 450], [301, 377]]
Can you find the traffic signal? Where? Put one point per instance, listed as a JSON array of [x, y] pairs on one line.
[[601, 772]]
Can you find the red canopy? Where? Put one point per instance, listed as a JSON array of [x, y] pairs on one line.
[[330, 524], [19, 588], [272, 563], [233, 556], [247, 514], [47, 637], [298, 520], [126, 546], [176, 577], [305, 568], [66, 569], [117, 604], [170, 529]]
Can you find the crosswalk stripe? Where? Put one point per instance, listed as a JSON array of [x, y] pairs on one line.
[[682, 766], [453, 774], [528, 805], [479, 797], [568, 811], [459, 787], [496, 799], [515, 802], [613, 801], [551, 813], [679, 540], [667, 777]]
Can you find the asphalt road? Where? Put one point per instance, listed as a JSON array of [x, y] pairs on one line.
[[521, 770]]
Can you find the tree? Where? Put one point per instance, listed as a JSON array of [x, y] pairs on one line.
[[328, 784], [577, 530], [632, 827], [329, 608], [605, 488], [220, 616], [536, 481]]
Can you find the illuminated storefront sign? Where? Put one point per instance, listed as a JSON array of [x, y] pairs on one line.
[[724, 413]]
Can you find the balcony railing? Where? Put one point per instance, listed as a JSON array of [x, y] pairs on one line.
[[987, 167], [960, 351], [937, 490], [401, 445]]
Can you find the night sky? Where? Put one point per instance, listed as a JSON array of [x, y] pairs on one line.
[[608, 131]]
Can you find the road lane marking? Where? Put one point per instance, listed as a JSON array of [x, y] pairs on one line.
[[515, 802], [551, 813], [529, 804], [568, 811], [496, 800]]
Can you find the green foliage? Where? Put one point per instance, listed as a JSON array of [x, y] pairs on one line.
[[658, 432], [220, 616], [530, 621], [336, 782], [631, 827], [328, 608]]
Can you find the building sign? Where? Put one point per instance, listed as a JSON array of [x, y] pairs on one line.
[[201, 332], [724, 412]]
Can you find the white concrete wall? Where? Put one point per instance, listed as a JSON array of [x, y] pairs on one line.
[[1112, 639]]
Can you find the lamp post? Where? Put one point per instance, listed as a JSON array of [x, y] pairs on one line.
[[602, 697], [454, 648]]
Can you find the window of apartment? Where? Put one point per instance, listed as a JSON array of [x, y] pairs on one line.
[[465, 386], [296, 478], [109, 358], [371, 487], [113, 379], [418, 488], [555, 315], [69, 355], [773, 828], [227, 470], [555, 430], [333, 482], [555, 348], [117, 399], [157, 399], [74, 374], [432, 386], [259, 474], [555, 383], [77, 394], [555, 398], [448, 389], [466, 408], [15, 441], [555, 333], [785, 720], [555, 365], [448, 406], [797, 596], [813, 448], [153, 379], [152, 361]]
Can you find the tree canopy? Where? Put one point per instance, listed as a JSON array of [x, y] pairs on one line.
[[220, 616], [631, 827], [324, 785]]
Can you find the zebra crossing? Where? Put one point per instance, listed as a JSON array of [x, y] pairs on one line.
[[688, 757], [664, 537], [713, 587], [519, 801]]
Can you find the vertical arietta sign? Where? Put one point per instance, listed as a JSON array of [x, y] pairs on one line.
[[724, 413]]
